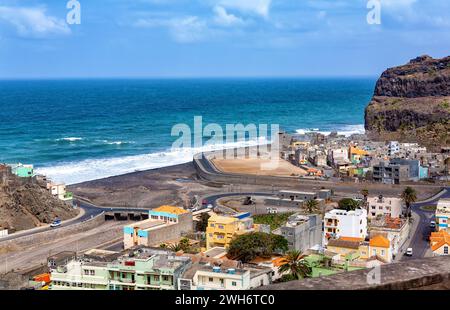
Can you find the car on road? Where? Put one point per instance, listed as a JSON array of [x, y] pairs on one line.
[[55, 223], [409, 252], [432, 224]]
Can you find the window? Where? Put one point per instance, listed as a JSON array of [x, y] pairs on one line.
[[212, 225], [446, 250], [210, 279], [382, 252], [374, 252], [233, 283], [92, 272], [165, 278], [86, 272]]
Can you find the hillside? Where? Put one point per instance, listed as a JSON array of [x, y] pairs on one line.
[[24, 204], [411, 103]]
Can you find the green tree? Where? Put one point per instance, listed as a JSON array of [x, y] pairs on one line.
[[294, 265], [249, 246], [279, 243], [348, 204], [312, 205], [409, 196], [203, 223]]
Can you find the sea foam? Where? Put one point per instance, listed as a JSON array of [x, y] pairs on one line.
[[92, 169], [346, 130]]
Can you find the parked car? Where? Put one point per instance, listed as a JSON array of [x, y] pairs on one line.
[[56, 223], [432, 224], [409, 252]]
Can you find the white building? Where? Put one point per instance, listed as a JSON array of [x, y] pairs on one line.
[[442, 215], [341, 223], [378, 206], [393, 148]]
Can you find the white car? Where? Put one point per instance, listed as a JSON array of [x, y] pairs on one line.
[[55, 223], [432, 224], [409, 252]]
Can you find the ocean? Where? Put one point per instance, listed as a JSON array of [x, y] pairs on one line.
[[80, 130]]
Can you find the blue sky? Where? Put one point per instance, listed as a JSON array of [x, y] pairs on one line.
[[217, 38]]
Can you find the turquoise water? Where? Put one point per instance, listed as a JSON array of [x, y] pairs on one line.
[[77, 130]]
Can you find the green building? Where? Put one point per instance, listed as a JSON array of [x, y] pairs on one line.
[[22, 171], [144, 269]]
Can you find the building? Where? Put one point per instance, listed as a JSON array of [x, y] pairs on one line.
[[59, 190], [442, 215], [222, 229], [393, 148], [390, 173], [22, 171], [440, 242], [341, 223], [356, 155], [60, 259], [210, 277], [358, 249], [142, 269], [396, 230], [164, 223], [302, 232], [382, 206], [380, 247], [413, 164]]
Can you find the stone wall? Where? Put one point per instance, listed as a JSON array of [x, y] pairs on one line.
[[413, 274]]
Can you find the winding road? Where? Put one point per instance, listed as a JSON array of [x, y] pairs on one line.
[[419, 242]]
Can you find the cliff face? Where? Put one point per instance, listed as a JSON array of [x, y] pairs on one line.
[[25, 204], [411, 103]]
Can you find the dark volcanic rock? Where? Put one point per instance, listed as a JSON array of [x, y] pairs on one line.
[[412, 103]]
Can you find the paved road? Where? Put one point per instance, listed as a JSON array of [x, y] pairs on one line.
[[419, 243], [90, 211]]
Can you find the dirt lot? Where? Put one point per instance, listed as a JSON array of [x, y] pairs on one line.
[[256, 166]]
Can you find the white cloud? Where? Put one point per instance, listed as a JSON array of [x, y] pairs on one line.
[[223, 18], [183, 30], [258, 7], [32, 22]]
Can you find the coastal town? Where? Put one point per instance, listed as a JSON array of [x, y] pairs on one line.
[[370, 204]]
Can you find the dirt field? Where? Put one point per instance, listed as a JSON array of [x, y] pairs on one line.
[[256, 166]]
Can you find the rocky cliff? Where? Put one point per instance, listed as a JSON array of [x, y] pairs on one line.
[[25, 204], [411, 103]]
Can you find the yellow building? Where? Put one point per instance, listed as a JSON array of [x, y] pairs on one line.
[[350, 248], [222, 229], [380, 246], [440, 242]]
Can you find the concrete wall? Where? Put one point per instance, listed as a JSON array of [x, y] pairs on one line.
[[50, 235], [410, 274], [170, 232]]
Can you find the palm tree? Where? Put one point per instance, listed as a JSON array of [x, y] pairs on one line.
[[365, 193], [294, 264], [311, 205], [409, 196], [176, 247]]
